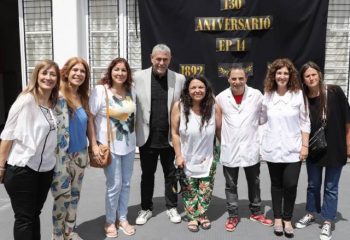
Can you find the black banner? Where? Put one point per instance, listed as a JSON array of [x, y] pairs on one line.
[[211, 34]]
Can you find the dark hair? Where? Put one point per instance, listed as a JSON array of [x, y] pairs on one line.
[[207, 103], [236, 68], [321, 86], [107, 79], [270, 84]]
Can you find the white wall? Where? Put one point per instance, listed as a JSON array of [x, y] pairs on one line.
[[69, 18]]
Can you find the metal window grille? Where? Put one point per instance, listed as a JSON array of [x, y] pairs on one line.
[[338, 44], [103, 35], [37, 19], [133, 34]]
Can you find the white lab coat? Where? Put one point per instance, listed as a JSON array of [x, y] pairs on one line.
[[286, 118], [239, 132]]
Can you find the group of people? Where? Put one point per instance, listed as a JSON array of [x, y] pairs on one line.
[[183, 124]]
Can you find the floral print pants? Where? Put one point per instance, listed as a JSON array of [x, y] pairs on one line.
[[197, 194], [65, 188]]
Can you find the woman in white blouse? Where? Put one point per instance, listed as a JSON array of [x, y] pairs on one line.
[[285, 140], [117, 83], [28, 145], [194, 121]]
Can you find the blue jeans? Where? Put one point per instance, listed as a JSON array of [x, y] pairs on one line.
[[330, 195], [118, 176]]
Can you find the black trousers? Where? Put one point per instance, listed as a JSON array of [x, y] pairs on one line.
[[28, 190], [252, 174], [149, 159], [284, 181]]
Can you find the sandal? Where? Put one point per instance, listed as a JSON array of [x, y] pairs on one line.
[[127, 228], [288, 230], [192, 226], [278, 227], [111, 230], [205, 223]]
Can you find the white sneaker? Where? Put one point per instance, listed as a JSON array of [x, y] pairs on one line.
[[305, 221], [173, 215], [326, 232], [143, 217]]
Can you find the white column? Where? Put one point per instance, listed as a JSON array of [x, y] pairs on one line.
[[21, 40], [123, 29], [69, 29]]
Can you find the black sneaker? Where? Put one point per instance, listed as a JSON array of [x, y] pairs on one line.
[[305, 221], [326, 232]]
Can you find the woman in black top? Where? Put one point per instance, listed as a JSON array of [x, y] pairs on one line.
[[338, 147]]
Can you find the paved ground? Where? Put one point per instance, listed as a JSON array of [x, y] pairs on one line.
[[91, 211]]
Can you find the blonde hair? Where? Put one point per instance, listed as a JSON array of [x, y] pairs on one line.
[[32, 86]]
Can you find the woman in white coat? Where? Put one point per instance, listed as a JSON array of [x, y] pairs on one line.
[[285, 140]]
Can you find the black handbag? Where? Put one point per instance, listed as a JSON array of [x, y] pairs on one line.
[[318, 142], [181, 178]]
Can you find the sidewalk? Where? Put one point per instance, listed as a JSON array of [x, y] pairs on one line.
[[91, 211]]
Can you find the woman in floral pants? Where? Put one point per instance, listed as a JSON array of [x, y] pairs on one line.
[[195, 121]]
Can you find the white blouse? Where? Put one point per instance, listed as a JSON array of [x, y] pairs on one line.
[[286, 118], [33, 130], [196, 145], [239, 132], [122, 119]]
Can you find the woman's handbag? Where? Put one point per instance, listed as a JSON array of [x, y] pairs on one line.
[[105, 153], [318, 142]]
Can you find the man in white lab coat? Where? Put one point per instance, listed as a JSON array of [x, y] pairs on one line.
[[241, 109]]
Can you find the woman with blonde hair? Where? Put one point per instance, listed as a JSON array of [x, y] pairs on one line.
[[27, 150], [285, 140], [72, 158]]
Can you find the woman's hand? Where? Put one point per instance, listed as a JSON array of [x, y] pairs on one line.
[[96, 153], [304, 152], [180, 162], [2, 174]]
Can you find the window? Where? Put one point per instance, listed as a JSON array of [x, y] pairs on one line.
[[338, 44], [113, 32], [37, 22]]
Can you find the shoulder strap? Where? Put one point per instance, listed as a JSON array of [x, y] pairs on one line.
[[109, 132], [324, 111]]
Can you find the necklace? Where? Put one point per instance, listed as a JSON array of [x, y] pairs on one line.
[[119, 96]]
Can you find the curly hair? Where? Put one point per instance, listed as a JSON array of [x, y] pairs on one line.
[[83, 89], [107, 79], [270, 84], [206, 105]]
